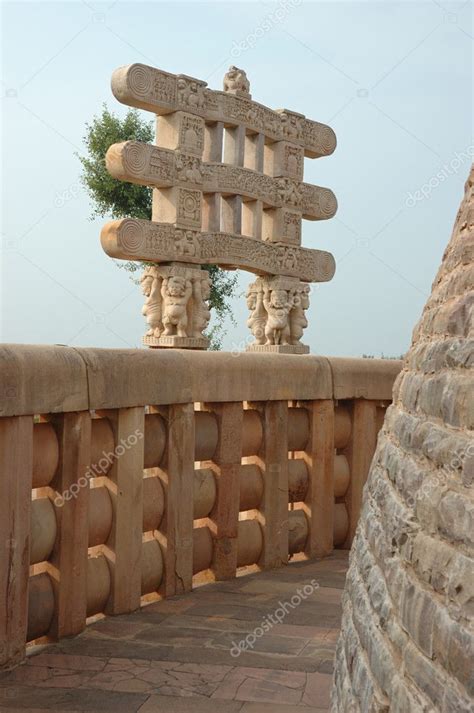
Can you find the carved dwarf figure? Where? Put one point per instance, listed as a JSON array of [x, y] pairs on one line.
[[151, 283], [278, 305], [175, 292], [298, 321], [201, 311], [236, 81], [258, 315]]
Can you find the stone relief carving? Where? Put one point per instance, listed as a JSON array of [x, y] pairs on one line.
[[176, 301], [186, 244], [278, 304], [133, 239], [291, 125], [293, 161], [277, 311], [258, 316], [191, 134], [151, 89], [188, 168], [151, 288], [190, 92], [189, 207], [175, 292], [164, 87], [292, 227], [161, 167], [298, 321], [289, 192], [202, 313]]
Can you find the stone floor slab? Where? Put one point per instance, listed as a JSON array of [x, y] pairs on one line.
[[177, 654], [166, 704]]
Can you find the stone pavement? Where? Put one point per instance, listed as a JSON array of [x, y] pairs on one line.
[[181, 654]]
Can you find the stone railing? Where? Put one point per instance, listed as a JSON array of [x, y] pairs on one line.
[[131, 475]]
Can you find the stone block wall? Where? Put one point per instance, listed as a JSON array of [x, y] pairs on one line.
[[407, 638]]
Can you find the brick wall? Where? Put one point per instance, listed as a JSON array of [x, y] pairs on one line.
[[407, 639]]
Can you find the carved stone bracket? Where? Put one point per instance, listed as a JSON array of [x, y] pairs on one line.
[[176, 307], [277, 314]]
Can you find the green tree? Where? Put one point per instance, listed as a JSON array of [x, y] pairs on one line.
[[120, 199]]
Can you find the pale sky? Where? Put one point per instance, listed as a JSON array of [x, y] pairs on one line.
[[394, 80]]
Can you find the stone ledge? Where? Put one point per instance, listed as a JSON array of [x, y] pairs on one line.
[[50, 379], [364, 378]]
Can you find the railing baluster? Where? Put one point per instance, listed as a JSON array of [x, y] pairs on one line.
[[124, 547], [177, 474], [319, 458], [69, 555], [273, 460], [226, 465], [16, 469], [359, 453]]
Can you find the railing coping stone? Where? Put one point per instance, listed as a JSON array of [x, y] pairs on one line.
[[51, 379]]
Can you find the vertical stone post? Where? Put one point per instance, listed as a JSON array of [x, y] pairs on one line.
[[69, 555], [177, 477], [273, 461], [231, 206], [319, 458], [16, 471], [180, 290], [226, 465], [125, 483], [252, 210], [213, 148], [359, 453]]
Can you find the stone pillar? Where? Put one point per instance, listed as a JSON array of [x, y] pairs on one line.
[[176, 294]]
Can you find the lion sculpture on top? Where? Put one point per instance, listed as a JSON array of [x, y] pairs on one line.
[[236, 81]]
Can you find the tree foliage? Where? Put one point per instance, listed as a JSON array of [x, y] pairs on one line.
[[119, 199]]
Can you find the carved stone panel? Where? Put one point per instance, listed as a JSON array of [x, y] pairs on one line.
[[155, 166], [133, 239], [179, 206], [288, 160], [282, 226], [152, 89], [181, 131]]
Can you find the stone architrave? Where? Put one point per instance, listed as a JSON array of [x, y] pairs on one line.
[[227, 180]]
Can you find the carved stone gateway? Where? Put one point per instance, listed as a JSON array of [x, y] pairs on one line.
[[227, 179]]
